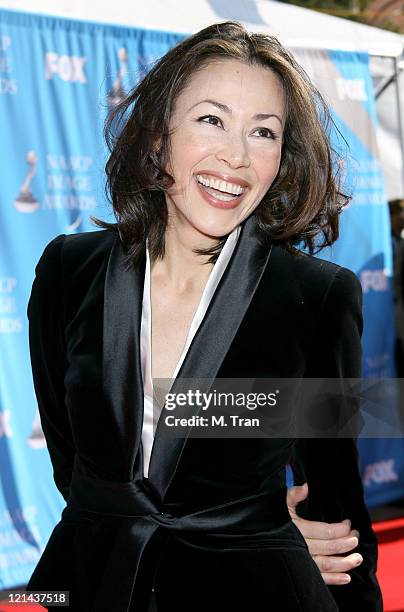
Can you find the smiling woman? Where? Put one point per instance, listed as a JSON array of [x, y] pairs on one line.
[[220, 168], [284, 113], [224, 157]]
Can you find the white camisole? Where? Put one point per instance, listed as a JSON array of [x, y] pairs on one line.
[[148, 429]]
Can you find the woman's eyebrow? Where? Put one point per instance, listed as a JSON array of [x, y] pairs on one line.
[[226, 109], [220, 106]]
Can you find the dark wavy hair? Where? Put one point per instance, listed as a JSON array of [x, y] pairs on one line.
[[303, 203]]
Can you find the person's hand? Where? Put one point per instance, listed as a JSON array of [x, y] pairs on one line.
[[326, 540]]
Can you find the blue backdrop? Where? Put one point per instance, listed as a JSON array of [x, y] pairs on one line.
[[57, 80]]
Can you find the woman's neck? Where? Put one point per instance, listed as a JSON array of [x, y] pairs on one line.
[[182, 268]]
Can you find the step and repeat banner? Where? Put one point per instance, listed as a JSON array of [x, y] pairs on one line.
[[364, 246], [58, 79]]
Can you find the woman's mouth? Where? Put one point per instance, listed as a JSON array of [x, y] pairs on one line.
[[219, 193]]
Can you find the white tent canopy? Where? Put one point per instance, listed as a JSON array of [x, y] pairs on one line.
[[294, 26]]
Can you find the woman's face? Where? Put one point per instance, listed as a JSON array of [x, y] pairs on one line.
[[226, 146]]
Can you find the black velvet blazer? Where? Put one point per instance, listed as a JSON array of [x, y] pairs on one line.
[[274, 314]]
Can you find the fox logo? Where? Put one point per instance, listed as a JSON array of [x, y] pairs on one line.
[[374, 280], [67, 67], [378, 473]]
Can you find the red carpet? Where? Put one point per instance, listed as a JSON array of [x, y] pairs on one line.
[[391, 563], [391, 568], [22, 608]]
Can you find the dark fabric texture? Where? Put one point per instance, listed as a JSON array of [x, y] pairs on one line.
[[209, 528]]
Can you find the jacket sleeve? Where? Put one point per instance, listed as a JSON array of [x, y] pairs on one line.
[[48, 361], [331, 465]]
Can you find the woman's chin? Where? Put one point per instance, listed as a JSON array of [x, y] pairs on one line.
[[212, 226], [214, 231]]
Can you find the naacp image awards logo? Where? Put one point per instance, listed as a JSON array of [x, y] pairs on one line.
[[26, 201], [117, 93]]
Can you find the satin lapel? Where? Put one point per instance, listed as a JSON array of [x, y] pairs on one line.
[[121, 365], [213, 339]]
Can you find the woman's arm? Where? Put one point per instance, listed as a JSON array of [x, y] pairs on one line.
[[330, 466], [48, 360]]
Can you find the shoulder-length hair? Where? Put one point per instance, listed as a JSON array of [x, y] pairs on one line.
[[303, 203]]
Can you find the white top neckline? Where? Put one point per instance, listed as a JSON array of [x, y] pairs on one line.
[[145, 338]]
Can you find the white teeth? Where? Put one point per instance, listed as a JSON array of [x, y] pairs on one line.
[[223, 197], [220, 185]]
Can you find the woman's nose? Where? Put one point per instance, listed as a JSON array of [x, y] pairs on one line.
[[234, 152]]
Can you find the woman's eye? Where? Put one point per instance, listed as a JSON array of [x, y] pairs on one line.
[[266, 133], [211, 119]]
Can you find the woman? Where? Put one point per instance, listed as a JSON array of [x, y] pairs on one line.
[[221, 166]]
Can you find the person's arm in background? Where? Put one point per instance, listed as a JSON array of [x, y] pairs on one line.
[[48, 361], [330, 466], [327, 542]]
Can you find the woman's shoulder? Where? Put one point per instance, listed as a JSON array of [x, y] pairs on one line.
[[72, 257], [74, 249], [314, 282], [314, 271], [88, 244], [87, 250]]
